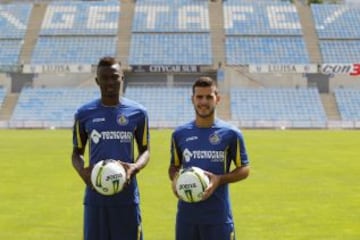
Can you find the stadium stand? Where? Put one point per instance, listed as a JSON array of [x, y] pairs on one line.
[[277, 104], [337, 26], [176, 34], [348, 101], [167, 106], [262, 50], [72, 50], [13, 25], [187, 48], [170, 32], [263, 32], [77, 32], [44, 107]]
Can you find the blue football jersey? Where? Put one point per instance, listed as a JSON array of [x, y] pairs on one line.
[[111, 133], [212, 149]]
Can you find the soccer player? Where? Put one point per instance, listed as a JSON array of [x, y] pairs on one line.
[[211, 144], [110, 126]]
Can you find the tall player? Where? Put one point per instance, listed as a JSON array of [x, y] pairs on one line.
[[211, 144], [111, 126]]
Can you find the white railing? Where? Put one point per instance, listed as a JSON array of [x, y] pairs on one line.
[[331, 124]]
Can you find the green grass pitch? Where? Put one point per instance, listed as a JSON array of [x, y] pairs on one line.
[[303, 185]]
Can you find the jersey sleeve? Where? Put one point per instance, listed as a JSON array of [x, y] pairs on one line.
[[238, 150], [175, 157], [79, 133]]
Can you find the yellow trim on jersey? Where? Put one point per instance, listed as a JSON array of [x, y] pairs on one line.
[[238, 155], [232, 235], [176, 157], [139, 232], [145, 137], [78, 137], [133, 149], [225, 158]]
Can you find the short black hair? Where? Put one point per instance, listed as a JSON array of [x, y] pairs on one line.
[[204, 81], [107, 61]]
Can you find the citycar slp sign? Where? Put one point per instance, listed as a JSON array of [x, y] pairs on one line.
[[166, 68]]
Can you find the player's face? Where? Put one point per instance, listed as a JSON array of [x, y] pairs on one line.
[[205, 100], [109, 80]]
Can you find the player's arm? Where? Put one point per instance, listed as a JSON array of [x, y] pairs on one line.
[[142, 137], [173, 171], [143, 159], [237, 174], [175, 159], [175, 164], [77, 156], [78, 163]]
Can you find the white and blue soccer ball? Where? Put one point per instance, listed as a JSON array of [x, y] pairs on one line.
[[191, 184], [108, 177]]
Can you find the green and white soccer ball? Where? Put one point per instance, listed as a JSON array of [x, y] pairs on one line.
[[191, 184], [108, 177]]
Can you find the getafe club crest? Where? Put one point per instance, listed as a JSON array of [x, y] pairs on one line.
[[122, 120], [214, 138]]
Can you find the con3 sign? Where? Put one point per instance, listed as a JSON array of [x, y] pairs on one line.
[[352, 69]]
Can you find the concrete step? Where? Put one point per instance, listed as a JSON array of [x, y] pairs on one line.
[[32, 32], [329, 102], [223, 109], [124, 32], [217, 33], [8, 106]]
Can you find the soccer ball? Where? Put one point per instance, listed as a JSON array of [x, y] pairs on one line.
[[191, 184], [108, 177]]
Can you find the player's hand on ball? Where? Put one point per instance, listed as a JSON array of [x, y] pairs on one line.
[[131, 170], [213, 185]]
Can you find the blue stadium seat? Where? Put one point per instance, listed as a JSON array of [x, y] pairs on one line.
[[10, 51], [348, 102], [14, 20], [336, 21], [73, 50], [77, 32], [337, 27], [263, 32], [171, 33], [261, 18], [265, 50], [51, 104], [164, 104], [13, 24], [171, 16], [170, 48], [276, 104], [81, 18], [340, 51]]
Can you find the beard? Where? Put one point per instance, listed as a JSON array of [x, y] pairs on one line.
[[206, 114]]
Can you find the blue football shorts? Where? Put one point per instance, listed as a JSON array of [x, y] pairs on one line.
[[189, 231], [112, 223]]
